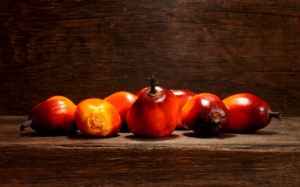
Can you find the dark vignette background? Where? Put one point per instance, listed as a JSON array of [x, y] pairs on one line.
[[91, 48]]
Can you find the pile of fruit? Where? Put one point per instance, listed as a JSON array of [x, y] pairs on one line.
[[153, 112]]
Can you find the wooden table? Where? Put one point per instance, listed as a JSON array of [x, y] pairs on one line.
[[269, 157]]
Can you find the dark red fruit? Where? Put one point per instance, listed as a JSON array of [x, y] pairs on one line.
[[248, 113], [154, 113], [205, 114], [53, 116]]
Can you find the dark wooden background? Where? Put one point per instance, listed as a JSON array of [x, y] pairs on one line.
[[91, 48]]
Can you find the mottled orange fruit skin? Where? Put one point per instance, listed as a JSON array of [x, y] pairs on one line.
[[54, 115], [122, 101], [199, 112], [97, 117], [248, 113], [182, 97], [153, 116]]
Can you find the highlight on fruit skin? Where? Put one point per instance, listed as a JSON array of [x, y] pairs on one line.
[[249, 113], [122, 101], [154, 113], [97, 117], [53, 116], [205, 114]]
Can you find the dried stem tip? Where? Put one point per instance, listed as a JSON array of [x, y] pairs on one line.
[[153, 84], [26, 124], [275, 115]]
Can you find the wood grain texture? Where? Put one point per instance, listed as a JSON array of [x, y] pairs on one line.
[[269, 157], [115, 167], [90, 48]]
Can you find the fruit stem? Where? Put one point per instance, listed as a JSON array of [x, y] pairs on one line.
[[26, 124], [275, 115], [153, 84]]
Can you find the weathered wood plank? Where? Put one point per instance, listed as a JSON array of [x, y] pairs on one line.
[[278, 136], [88, 48], [269, 157], [147, 167]]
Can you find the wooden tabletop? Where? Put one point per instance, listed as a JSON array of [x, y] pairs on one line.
[[270, 156]]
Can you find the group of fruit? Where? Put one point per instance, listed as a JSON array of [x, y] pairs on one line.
[[153, 112]]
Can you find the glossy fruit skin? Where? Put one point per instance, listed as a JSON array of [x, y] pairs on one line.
[[205, 114], [153, 116], [97, 117], [54, 116], [122, 101], [182, 97], [248, 113]]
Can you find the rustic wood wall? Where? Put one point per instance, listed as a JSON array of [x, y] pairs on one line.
[[91, 48]]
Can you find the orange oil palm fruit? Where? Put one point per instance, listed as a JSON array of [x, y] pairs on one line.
[[182, 97], [122, 101], [97, 117]]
